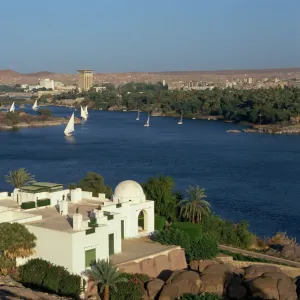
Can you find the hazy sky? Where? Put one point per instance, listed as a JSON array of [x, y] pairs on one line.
[[148, 35]]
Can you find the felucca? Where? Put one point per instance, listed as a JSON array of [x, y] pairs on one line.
[[138, 115], [86, 111], [83, 113], [147, 124], [70, 126], [35, 106], [12, 108], [180, 121]]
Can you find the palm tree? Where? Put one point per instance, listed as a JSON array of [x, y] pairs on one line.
[[19, 178], [193, 207], [106, 275]]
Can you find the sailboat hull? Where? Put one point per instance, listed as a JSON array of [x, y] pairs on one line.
[[146, 125], [179, 123]]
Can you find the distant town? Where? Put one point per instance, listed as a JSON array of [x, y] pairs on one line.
[[47, 83]]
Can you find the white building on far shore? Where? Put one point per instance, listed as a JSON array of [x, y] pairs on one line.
[[74, 228]]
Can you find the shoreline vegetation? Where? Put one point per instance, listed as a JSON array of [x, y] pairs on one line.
[[19, 119], [272, 111]]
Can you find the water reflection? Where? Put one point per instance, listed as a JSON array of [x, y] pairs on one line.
[[70, 139]]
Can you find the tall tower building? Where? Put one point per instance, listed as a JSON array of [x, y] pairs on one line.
[[85, 79]]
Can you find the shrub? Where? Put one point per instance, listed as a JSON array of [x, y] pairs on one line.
[[43, 202], [28, 205], [206, 296], [193, 230], [133, 289], [12, 118], [159, 222], [45, 112], [172, 236], [43, 275], [205, 247]]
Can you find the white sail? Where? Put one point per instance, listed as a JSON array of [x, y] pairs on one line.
[[70, 126], [82, 113], [12, 108], [180, 121], [148, 121], [86, 110], [35, 106], [138, 115]]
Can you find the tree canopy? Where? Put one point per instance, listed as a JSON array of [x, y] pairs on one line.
[[94, 183]]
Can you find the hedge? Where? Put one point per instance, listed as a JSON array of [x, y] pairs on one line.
[[41, 274], [172, 236], [159, 222], [28, 205], [193, 230], [43, 202], [205, 247], [133, 289]]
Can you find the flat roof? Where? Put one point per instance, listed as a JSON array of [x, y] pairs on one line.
[[51, 218], [9, 203], [47, 184]]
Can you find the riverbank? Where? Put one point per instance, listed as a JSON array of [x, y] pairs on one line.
[[22, 120], [274, 129]]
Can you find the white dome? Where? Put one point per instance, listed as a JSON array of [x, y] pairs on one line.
[[129, 190]]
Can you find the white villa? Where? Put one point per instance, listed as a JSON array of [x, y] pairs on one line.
[[72, 227]]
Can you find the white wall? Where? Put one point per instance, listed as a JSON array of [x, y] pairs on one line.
[[3, 195], [82, 242], [54, 246]]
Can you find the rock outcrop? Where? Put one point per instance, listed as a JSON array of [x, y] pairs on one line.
[[255, 282], [12, 290]]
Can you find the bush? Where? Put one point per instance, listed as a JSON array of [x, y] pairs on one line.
[[193, 230], [41, 274], [172, 236], [159, 222], [28, 205], [133, 289], [45, 112], [206, 296], [43, 202], [226, 232], [205, 247], [12, 118]]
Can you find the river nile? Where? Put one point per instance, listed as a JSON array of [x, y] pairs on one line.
[[246, 176]]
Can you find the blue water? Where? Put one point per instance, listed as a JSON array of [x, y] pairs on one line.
[[246, 176]]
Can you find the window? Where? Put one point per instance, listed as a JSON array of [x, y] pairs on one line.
[[90, 231], [90, 256], [119, 205]]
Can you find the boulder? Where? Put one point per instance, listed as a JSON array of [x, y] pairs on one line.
[[130, 268], [190, 276], [275, 285], [173, 275], [181, 283], [215, 283], [221, 268], [194, 265], [236, 290], [147, 267], [169, 292], [177, 260], [205, 263], [153, 287], [255, 271], [161, 263]]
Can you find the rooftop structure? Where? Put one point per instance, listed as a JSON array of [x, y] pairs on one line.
[[85, 79], [82, 227]]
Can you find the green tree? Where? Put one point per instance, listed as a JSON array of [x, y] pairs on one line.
[[193, 207], [160, 190], [15, 241], [19, 178], [105, 275], [94, 183]]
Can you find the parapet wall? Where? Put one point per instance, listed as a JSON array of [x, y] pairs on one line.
[[153, 265]]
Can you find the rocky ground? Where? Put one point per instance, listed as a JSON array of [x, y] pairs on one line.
[[12, 290], [254, 282]]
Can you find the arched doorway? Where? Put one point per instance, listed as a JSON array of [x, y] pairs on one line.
[[142, 221]]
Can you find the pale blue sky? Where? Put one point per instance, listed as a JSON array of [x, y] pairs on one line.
[[148, 35]]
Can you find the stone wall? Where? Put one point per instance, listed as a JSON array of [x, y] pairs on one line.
[[157, 265]]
